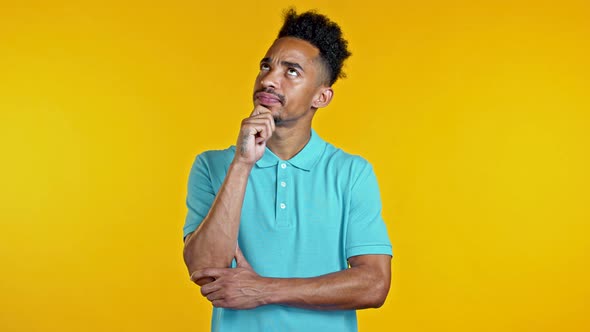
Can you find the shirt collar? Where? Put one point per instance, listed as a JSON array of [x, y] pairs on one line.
[[305, 159]]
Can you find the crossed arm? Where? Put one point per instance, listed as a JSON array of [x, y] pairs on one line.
[[364, 285], [209, 250]]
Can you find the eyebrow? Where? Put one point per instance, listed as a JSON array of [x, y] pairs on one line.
[[284, 63]]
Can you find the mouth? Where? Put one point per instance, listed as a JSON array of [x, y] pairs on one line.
[[267, 99]]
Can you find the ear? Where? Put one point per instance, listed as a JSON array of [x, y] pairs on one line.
[[323, 97]]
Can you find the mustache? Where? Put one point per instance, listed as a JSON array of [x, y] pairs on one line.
[[272, 92]]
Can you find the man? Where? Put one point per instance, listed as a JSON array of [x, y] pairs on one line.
[[285, 224]]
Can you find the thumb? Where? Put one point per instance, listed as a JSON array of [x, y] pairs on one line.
[[240, 259]]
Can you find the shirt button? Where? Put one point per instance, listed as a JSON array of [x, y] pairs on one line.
[[283, 205], [283, 184], [283, 165]]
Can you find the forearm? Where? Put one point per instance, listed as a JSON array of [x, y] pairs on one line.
[[358, 287], [213, 243]]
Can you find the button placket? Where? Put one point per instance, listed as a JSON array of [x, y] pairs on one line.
[[282, 207]]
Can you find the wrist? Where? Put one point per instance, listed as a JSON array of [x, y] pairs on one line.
[[241, 167], [272, 291], [269, 296]]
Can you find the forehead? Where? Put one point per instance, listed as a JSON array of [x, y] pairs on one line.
[[292, 50]]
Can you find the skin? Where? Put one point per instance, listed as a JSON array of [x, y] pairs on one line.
[[289, 88]]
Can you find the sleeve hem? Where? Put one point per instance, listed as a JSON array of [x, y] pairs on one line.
[[369, 250]]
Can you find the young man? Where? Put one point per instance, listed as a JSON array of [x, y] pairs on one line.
[[285, 224]]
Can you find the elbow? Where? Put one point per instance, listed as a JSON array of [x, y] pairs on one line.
[[189, 260], [192, 261], [377, 294], [187, 254], [193, 265], [197, 258]]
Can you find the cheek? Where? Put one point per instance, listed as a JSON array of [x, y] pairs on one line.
[[303, 92]]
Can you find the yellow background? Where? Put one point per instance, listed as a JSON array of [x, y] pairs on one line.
[[474, 114]]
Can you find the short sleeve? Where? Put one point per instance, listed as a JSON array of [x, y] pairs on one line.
[[367, 233], [200, 195]]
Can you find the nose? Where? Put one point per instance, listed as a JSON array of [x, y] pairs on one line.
[[272, 79]]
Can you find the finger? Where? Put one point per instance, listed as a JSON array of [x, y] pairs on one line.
[[216, 296], [271, 120], [218, 303], [206, 273], [210, 288], [270, 123], [261, 128], [259, 109], [203, 281], [260, 132], [264, 117], [267, 113]]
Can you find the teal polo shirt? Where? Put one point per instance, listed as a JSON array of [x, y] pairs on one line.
[[302, 217]]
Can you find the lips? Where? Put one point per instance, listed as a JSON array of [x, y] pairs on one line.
[[266, 98]]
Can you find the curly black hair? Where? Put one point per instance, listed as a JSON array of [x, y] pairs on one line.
[[322, 33]]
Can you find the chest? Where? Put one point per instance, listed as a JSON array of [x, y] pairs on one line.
[[287, 197]]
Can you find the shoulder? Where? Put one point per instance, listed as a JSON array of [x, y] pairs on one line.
[[214, 162], [345, 166], [217, 157], [340, 159]]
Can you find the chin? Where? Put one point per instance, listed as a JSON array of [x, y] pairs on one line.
[[278, 120], [275, 111]]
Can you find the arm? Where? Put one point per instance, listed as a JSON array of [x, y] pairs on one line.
[[214, 242], [364, 285]]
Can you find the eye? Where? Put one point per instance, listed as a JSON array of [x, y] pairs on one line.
[[292, 72], [264, 66]]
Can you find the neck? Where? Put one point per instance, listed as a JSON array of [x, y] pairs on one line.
[[287, 142]]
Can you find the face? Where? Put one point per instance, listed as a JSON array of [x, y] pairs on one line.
[[290, 81]]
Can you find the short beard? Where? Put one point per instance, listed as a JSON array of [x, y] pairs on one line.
[[278, 120]]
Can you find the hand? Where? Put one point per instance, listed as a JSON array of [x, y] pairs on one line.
[[254, 133], [233, 288]]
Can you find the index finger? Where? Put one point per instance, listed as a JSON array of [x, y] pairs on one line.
[[259, 109]]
